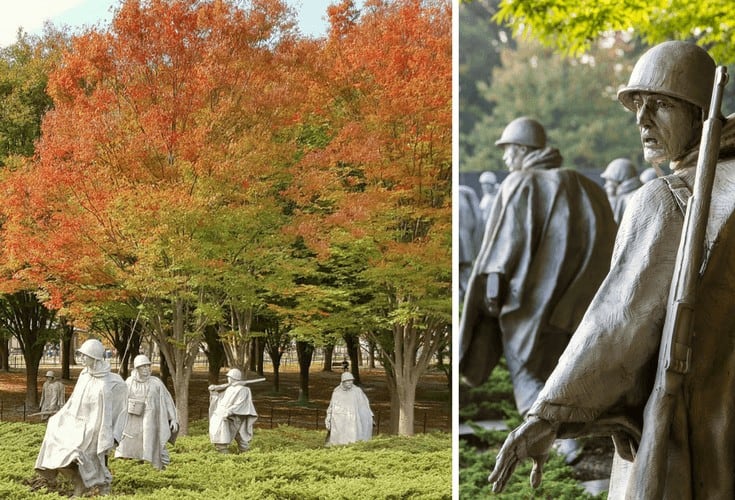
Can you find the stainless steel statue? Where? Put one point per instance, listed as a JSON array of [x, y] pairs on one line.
[[546, 249], [349, 418], [648, 175], [621, 181], [232, 414], [52, 396], [80, 435], [652, 364], [489, 185], [152, 419], [470, 234]]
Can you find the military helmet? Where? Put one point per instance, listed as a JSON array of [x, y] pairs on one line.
[[51, 374], [648, 175], [347, 376], [524, 131], [93, 348], [141, 360], [677, 69], [488, 178], [619, 170], [234, 374]]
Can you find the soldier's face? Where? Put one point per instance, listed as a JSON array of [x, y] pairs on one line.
[[611, 187], [513, 155], [669, 127], [144, 371], [86, 360], [347, 385]]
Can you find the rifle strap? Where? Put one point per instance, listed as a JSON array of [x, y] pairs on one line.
[[680, 190]]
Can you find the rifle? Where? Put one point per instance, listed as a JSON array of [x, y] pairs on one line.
[[222, 387], [674, 359]]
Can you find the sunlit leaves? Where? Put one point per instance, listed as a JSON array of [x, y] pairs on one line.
[[573, 25]]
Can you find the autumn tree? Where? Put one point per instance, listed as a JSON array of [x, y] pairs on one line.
[[159, 161], [24, 67], [384, 173]]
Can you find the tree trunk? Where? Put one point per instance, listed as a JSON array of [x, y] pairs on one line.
[[181, 395], [32, 357], [328, 355], [165, 370], [304, 351], [66, 354], [371, 355], [260, 369], [353, 346], [395, 404], [215, 353], [275, 355], [407, 397], [5, 354]]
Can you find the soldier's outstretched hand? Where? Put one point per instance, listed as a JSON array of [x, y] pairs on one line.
[[532, 439]]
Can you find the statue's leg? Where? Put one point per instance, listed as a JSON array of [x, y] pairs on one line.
[[241, 436], [73, 474]]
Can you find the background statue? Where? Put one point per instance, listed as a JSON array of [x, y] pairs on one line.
[[621, 180], [489, 185], [349, 418], [546, 249], [80, 435], [470, 236], [605, 380], [52, 396], [232, 414], [648, 175], [152, 420]]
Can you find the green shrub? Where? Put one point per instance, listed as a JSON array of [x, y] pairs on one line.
[[286, 462]]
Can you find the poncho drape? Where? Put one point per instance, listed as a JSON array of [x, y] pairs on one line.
[[349, 417], [550, 235], [609, 366], [87, 426], [146, 435]]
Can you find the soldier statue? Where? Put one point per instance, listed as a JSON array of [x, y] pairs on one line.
[[621, 181], [546, 249], [620, 366]]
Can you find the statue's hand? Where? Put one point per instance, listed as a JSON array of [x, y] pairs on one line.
[[78, 457], [532, 439], [174, 426]]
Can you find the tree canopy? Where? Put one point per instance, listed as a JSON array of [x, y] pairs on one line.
[[573, 25]]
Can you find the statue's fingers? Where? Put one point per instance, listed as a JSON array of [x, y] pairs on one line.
[[503, 470], [537, 471]]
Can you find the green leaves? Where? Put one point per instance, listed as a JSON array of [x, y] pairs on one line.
[[572, 26]]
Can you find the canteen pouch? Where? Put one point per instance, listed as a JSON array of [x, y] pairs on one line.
[[136, 406]]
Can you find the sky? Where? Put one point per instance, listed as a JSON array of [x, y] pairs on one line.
[[31, 15]]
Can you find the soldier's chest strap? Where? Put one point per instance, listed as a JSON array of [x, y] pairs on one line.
[[681, 191]]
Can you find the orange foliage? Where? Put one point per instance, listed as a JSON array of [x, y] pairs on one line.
[[166, 116], [386, 95]]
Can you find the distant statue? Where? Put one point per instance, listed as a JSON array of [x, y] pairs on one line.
[[489, 185], [655, 371], [648, 175], [349, 418], [152, 418], [546, 249], [80, 435], [232, 413], [52, 396], [621, 180], [470, 235]]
